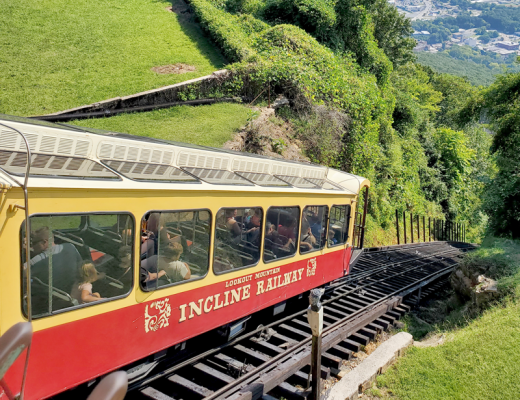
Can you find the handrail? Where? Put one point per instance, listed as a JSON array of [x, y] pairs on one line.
[[27, 247]]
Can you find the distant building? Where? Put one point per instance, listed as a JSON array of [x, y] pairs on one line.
[[471, 42], [425, 33], [508, 45], [504, 53], [457, 36]]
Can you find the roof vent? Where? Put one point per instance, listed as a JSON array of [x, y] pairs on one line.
[[250, 166], [188, 159], [65, 146], [48, 144], [81, 148]]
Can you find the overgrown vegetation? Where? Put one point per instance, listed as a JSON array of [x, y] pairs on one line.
[[502, 106], [357, 105]]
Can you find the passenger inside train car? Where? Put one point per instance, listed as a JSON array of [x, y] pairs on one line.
[[237, 238], [61, 247], [281, 238], [338, 225], [175, 247], [313, 232]]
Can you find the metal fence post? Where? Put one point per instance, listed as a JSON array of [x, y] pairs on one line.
[[397, 225], [424, 228], [411, 227], [404, 227], [315, 318], [418, 229], [429, 229]]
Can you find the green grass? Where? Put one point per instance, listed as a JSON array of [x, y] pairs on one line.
[[58, 54], [203, 125], [477, 74], [481, 357]]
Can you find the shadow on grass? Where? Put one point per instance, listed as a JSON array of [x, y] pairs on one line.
[[187, 20]]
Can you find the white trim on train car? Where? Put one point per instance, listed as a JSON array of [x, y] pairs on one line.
[[68, 141]]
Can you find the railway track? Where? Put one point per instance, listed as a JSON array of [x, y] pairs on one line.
[[274, 360]]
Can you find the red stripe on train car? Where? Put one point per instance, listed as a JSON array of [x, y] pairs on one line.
[[67, 355]]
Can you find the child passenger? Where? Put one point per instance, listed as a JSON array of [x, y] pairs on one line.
[[82, 291], [177, 270]]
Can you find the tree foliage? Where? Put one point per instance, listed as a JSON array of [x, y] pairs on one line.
[[502, 105]]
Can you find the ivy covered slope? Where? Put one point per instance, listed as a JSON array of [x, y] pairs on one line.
[[358, 102]]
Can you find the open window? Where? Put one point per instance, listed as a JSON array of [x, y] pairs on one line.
[[338, 225], [78, 259]]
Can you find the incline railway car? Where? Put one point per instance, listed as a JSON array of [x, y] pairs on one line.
[[136, 245]]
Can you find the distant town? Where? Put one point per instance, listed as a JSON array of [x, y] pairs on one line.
[[504, 45], [443, 19]]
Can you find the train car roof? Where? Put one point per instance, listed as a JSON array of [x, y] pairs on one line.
[[67, 156]]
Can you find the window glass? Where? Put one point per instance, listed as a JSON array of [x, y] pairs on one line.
[[281, 232], [78, 259], [14, 162], [174, 247], [338, 225], [237, 238], [314, 225]]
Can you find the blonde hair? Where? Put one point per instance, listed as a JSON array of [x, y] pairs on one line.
[[88, 273]]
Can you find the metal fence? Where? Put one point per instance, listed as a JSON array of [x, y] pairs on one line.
[[433, 229]]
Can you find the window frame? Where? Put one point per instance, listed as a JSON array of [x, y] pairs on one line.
[[79, 306], [209, 248], [260, 248], [297, 233], [348, 225], [326, 226]]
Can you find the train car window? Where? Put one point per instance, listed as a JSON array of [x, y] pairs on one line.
[[174, 247], [79, 259], [314, 226], [14, 162], [281, 232], [237, 238], [338, 225]]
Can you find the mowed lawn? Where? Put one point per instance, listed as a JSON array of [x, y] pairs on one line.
[[58, 54], [203, 125]]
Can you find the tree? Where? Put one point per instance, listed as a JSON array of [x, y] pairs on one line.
[[502, 101], [484, 38]]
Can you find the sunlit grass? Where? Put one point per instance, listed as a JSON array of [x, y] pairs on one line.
[[481, 358], [58, 54], [203, 125]]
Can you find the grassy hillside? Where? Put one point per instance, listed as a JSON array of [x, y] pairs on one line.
[[481, 360], [204, 125], [477, 74], [58, 54]]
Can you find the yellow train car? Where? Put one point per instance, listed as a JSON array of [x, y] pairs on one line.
[[136, 245]]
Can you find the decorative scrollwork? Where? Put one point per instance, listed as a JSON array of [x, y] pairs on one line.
[[159, 320]]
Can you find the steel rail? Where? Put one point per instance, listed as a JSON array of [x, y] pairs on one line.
[[212, 351], [218, 395]]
